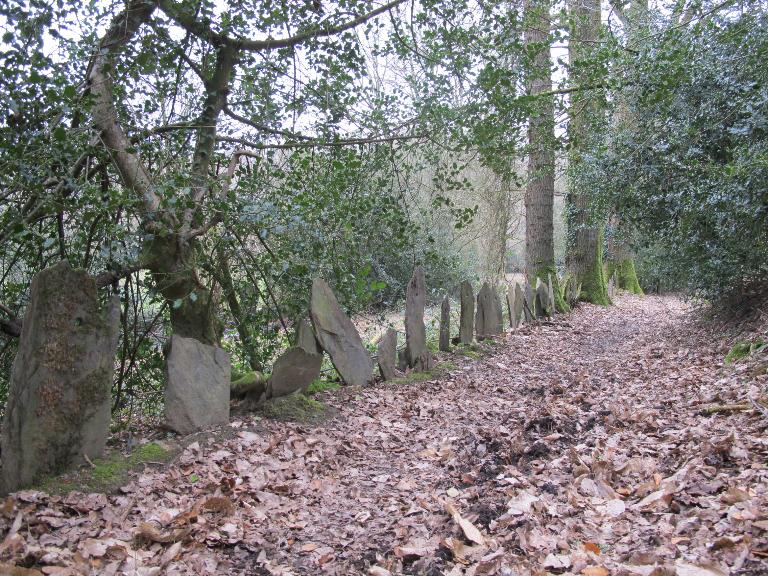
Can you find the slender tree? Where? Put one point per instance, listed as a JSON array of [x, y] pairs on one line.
[[540, 187]]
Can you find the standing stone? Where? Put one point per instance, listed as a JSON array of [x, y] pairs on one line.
[[541, 308], [467, 315], [338, 336], [58, 408], [612, 287], [418, 355], [387, 352], [488, 320], [519, 304], [197, 393], [445, 325], [550, 295], [514, 305], [305, 337], [528, 303], [294, 370]]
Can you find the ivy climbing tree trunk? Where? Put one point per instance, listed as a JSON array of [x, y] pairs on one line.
[[584, 251], [540, 187], [621, 255]]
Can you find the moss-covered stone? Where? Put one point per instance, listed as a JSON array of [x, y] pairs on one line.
[[294, 408]]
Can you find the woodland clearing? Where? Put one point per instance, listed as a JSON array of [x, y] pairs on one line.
[[578, 446]]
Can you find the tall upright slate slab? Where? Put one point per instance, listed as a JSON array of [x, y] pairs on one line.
[[467, 313], [445, 325], [387, 355], [338, 336], [528, 303], [519, 304], [58, 408], [488, 316], [198, 387], [418, 355], [514, 307]]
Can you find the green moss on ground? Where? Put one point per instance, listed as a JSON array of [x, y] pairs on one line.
[[294, 408], [745, 348], [439, 370], [108, 473], [321, 386]]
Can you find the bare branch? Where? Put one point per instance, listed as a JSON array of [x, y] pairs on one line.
[[200, 29], [319, 143]]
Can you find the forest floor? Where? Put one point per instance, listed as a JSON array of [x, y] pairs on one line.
[[579, 446]]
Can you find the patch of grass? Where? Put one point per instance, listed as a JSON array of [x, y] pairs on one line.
[[745, 348], [294, 408], [474, 351], [437, 371], [108, 473], [321, 386]]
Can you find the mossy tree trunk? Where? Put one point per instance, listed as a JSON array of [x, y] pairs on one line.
[[540, 188], [584, 251]]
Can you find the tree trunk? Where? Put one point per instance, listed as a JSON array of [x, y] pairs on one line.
[[584, 254], [171, 260], [540, 188]]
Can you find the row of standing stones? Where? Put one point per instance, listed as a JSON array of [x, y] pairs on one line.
[[58, 409]]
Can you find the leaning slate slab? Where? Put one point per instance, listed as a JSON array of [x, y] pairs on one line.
[[58, 408], [528, 303], [197, 393], [338, 336], [294, 370], [305, 337], [387, 355]]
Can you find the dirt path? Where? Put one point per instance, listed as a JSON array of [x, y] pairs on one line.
[[577, 447]]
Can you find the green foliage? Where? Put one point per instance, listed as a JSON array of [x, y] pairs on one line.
[[691, 170]]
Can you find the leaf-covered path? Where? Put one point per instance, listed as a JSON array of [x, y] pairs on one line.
[[576, 447]]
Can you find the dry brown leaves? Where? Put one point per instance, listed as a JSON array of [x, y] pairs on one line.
[[578, 448]]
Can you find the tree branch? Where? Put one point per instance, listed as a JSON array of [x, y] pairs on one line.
[[318, 143], [200, 29], [122, 29]]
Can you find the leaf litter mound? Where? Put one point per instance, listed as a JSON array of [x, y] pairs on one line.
[[582, 446]]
